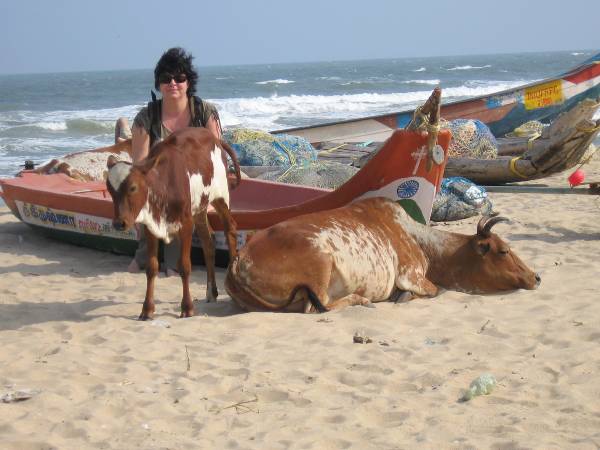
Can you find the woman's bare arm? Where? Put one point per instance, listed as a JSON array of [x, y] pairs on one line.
[[215, 126], [140, 143]]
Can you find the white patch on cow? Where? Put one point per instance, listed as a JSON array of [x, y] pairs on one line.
[[406, 275], [218, 188], [364, 263], [434, 240], [161, 229], [117, 174]]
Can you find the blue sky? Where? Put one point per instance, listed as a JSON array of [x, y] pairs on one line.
[[75, 35]]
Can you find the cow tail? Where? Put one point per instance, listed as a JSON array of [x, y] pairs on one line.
[[314, 300], [236, 165]]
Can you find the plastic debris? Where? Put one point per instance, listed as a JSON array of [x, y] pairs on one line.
[[458, 199], [360, 338], [482, 385], [18, 396], [160, 323]]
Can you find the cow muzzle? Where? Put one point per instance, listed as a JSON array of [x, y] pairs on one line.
[[119, 225]]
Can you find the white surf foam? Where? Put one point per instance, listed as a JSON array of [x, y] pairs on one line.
[[278, 81], [264, 112], [470, 67], [431, 82]]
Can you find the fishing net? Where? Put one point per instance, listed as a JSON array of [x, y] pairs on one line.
[[90, 165], [322, 174], [471, 139], [531, 129], [459, 198], [259, 148]]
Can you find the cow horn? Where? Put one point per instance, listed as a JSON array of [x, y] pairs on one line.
[[486, 223]]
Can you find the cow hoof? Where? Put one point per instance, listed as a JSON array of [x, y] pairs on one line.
[[185, 314], [145, 317], [369, 304]]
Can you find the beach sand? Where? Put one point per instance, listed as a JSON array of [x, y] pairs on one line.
[[226, 379]]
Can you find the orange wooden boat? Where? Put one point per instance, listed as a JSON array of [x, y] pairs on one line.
[[81, 212]]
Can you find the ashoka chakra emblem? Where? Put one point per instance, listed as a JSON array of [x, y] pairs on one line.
[[408, 189]]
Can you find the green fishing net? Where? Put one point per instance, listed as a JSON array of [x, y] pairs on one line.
[[322, 174]]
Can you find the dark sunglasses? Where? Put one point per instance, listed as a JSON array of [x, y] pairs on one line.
[[165, 78]]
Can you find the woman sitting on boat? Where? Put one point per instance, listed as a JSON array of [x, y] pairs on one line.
[[175, 78]]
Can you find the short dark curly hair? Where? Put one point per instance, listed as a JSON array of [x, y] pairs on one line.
[[177, 60]]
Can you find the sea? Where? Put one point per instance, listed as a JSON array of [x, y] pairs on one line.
[[43, 116]]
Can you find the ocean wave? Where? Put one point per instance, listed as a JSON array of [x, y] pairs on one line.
[[50, 126], [24, 117], [420, 69], [487, 66], [278, 81], [14, 151], [431, 82], [86, 126], [70, 126], [266, 113]]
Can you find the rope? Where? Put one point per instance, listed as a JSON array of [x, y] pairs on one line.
[[587, 160], [290, 154], [513, 167], [280, 177], [329, 150], [418, 114], [531, 139], [433, 127], [587, 130]]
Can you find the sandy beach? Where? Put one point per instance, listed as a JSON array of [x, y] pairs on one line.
[[98, 378]]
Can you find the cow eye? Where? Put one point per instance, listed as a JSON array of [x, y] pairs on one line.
[[504, 251], [133, 189]]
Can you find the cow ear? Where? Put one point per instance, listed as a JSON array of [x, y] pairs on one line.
[[153, 162], [111, 161]]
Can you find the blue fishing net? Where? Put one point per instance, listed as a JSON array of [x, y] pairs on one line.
[[259, 148], [459, 198]]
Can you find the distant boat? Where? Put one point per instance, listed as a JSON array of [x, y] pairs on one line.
[[567, 103], [502, 112], [562, 145]]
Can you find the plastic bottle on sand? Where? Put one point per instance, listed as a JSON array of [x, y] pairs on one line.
[[482, 385]]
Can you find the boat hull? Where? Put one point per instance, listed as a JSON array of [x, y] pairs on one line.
[[81, 212]]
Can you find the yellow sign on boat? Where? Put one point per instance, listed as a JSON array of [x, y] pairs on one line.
[[543, 95]]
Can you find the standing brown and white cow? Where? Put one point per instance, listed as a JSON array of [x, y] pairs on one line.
[[169, 192], [368, 251]]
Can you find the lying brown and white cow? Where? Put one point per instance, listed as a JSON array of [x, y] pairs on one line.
[[368, 251], [169, 192]]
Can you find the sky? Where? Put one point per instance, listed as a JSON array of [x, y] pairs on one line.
[[81, 35]]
